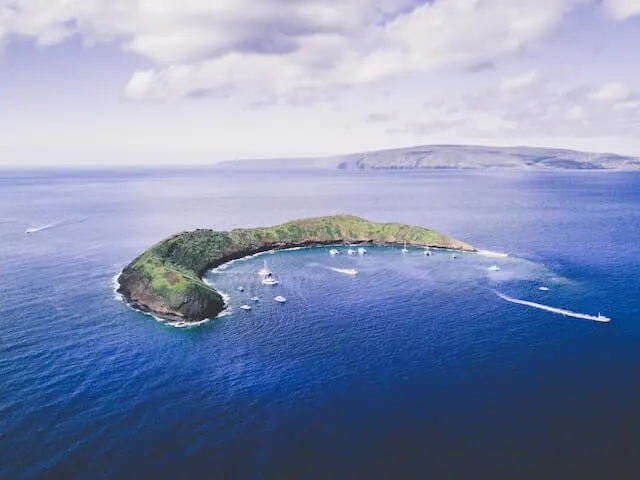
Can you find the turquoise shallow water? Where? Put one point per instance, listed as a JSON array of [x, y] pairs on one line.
[[412, 368]]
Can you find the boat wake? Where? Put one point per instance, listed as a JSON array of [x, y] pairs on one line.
[[345, 271], [559, 311], [49, 226]]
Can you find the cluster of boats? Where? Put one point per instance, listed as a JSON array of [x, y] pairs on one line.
[[267, 279], [363, 251]]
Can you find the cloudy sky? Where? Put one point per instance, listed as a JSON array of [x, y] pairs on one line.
[[194, 81]]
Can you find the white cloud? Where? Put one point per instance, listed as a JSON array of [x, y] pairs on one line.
[[511, 84], [622, 9], [288, 48], [612, 92]]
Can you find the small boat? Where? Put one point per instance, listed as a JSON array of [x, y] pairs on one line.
[[543, 289], [255, 299], [264, 271], [453, 256], [351, 251], [494, 268], [334, 252], [601, 318], [269, 281], [362, 251], [428, 252], [245, 307], [280, 299], [241, 289], [404, 250]]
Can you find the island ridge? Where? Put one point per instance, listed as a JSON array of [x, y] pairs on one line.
[[166, 280]]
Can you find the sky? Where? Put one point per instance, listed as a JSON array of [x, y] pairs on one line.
[[159, 82]]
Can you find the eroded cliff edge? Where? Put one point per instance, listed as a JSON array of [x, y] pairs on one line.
[[166, 280]]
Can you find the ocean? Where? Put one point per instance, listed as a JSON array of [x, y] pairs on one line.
[[413, 368]]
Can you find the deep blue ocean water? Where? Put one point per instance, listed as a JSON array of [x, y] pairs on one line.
[[414, 368]]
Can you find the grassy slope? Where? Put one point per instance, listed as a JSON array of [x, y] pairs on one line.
[[171, 269]]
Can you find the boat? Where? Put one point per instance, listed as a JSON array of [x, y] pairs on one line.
[[404, 250], [255, 299], [494, 268], [454, 256], [241, 289], [245, 307], [334, 252], [601, 318], [280, 299], [428, 252], [264, 271], [362, 251], [269, 281], [543, 289], [351, 251]]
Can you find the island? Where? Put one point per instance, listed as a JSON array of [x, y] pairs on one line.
[[454, 157], [166, 280]]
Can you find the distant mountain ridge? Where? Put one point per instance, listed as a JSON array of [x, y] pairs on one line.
[[456, 157]]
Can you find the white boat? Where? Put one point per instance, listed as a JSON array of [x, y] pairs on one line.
[[404, 250], [280, 299], [334, 252], [30, 230], [241, 289], [428, 252], [494, 268], [264, 271], [543, 289], [602, 318], [269, 281], [245, 307], [454, 256], [255, 299], [351, 251], [362, 251]]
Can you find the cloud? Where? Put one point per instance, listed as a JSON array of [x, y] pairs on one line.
[[622, 9], [545, 109], [612, 92], [511, 84], [287, 48]]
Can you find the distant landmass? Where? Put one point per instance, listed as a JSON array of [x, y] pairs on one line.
[[457, 157]]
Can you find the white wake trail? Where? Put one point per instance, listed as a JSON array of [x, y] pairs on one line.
[[559, 311]]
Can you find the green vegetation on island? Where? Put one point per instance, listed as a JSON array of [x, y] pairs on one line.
[[166, 280]]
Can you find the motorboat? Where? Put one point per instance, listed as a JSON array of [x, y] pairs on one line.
[[255, 299], [543, 289], [241, 289], [280, 299], [428, 252], [264, 271], [334, 252], [362, 251], [453, 256], [245, 307], [269, 281], [351, 251], [494, 268]]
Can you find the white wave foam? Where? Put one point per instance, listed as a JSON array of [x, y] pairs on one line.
[[490, 253], [116, 285], [560, 311]]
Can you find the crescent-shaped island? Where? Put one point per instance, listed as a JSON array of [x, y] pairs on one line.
[[166, 280]]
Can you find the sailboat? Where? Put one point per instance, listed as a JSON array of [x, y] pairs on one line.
[[404, 250], [427, 252]]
